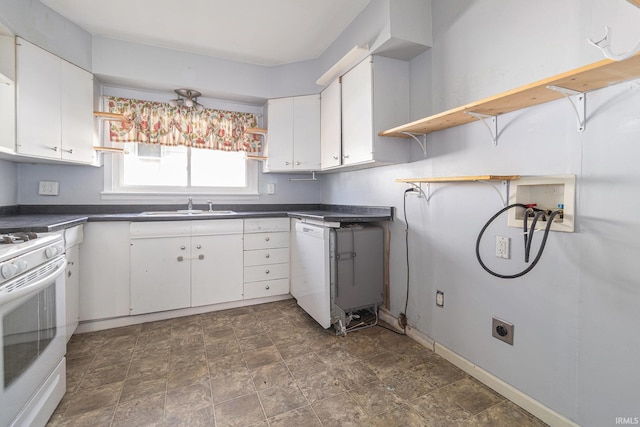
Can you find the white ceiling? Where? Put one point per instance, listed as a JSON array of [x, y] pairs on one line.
[[263, 32]]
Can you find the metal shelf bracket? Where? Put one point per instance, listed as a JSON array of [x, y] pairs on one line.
[[313, 178], [422, 144], [493, 128], [502, 189], [604, 44], [578, 104], [421, 192]]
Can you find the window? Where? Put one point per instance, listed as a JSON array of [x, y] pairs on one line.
[[180, 166], [176, 150]]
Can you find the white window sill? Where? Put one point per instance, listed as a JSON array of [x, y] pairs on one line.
[[169, 197]]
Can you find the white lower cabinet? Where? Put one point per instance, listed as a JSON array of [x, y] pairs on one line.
[[159, 274], [104, 271], [185, 264], [72, 239], [216, 266], [131, 268], [266, 257]]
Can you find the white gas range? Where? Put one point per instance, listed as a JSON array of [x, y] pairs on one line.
[[32, 325]]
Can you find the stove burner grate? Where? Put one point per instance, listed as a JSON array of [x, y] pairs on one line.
[[17, 237]]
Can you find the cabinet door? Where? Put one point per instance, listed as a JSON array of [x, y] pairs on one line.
[[76, 113], [280, 135], [104, 270], [216, 269], [38, 101], [306, 133], [160, 274], [330, 126], [357, 114], [72, 288]]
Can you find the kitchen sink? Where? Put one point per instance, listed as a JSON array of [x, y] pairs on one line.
[[186, 212]]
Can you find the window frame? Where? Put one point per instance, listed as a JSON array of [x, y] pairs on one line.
[[113, 162], [113, 188]]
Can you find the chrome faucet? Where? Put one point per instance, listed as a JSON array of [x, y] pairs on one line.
[[190, 204]]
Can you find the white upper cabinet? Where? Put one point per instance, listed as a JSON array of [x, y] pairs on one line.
[[54, 118], [76, 114], [330, 126], [357, 114], [7, 95], [293, 142], [371, 95]]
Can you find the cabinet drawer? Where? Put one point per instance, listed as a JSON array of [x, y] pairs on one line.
[[266, 256], [266, 240], [266, 272], [142, 230], [260, 225], [216, 226], [266, 288]]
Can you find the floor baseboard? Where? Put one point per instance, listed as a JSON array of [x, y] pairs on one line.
[[521, 399]]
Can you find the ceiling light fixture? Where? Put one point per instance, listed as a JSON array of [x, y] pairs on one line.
[[188, 98]]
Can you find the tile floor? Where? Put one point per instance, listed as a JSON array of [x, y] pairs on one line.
[[268, 365]]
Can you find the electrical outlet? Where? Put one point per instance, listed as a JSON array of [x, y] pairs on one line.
[[48, 188], [440, 298], [502, 330], [502, 247], [271, 188]]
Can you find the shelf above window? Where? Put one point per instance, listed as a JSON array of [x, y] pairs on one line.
[[584, 79], [257, 131], [115, 117]]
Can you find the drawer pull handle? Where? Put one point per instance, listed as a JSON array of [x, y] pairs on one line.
[[181, 258], [199, 247], [267, 256], [266, 239], [267, 287], [183, 247], [266, 272]]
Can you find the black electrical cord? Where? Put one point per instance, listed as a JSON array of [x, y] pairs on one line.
[[528, 238], [406, 244]]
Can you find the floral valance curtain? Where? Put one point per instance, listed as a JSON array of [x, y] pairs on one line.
[[160, 123]]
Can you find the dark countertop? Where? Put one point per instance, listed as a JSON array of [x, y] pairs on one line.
[[51, 222], [39, 223]]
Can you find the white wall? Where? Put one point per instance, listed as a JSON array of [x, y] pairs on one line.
[[9, 184], [575, 313], [44, 27]]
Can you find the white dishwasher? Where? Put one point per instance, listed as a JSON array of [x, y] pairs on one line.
[[310, 270], [337, 273]]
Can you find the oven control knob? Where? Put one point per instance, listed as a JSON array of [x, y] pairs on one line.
[[53, 251], [9, 270], [21, 265]]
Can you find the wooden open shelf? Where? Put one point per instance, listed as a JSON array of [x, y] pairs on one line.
[[115, 117], [110, 149], [584, 79], [258, 131], [461, 178]]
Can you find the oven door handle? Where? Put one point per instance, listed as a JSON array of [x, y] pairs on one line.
[[39, 283]]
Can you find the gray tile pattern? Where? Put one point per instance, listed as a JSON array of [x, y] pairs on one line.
[[268, 365]]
